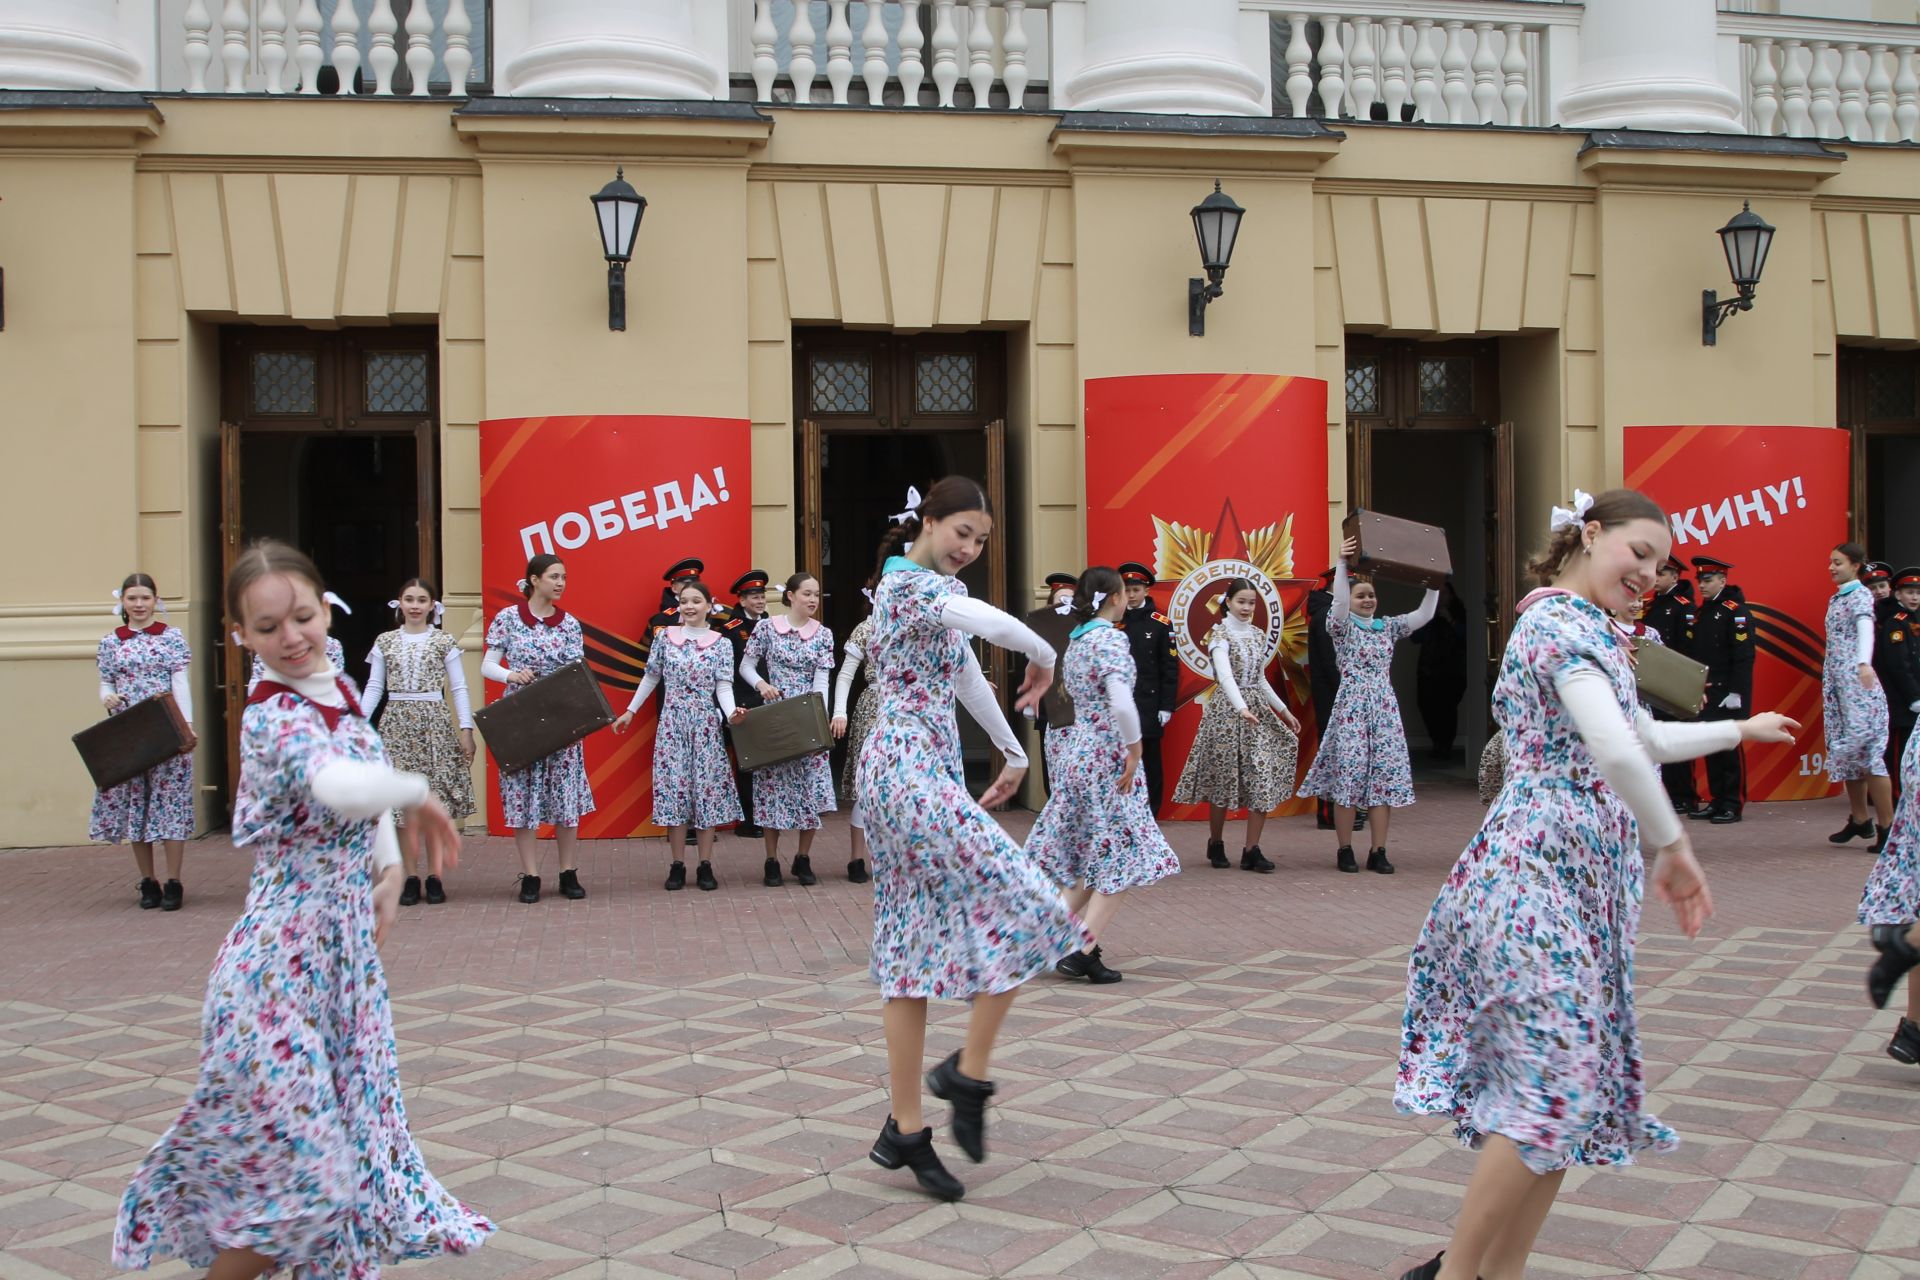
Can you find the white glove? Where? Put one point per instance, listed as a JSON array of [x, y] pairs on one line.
[[1031, 713], [1164, 717], [1913, 706], [1731, 702]]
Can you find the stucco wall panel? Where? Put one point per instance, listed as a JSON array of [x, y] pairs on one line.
[[805, 258], [420, 262], [313, 220], [1549, 250], [913, 228], [1457, 239], [1504, 266], [858, 254], [966, 250], [253, 244], [464, 317], [1892, 263], [1404, 265], [1024, 233], [200, 239], [1355, 246], [1853, 311], [156, 298], [366, 282]]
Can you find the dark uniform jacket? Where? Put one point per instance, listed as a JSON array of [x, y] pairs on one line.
[[1895, 659], [1056, 705], [738, 629], [1323, 660], [1156, 683], [1721, 639], [1671, 614]]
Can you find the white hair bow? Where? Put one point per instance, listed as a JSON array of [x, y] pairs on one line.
[[716, 607], [338, 603], [1099, 597], [1562, 518], [439, 609], [868, 593], [159, 604], [1064, 608], [115, 611], [913, 507], [238, 643]]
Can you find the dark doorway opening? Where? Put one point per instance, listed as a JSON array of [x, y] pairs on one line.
[[1879, 403]]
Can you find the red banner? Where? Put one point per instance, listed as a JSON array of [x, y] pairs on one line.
[[620, 498], [1771, 501], [1207, 477]]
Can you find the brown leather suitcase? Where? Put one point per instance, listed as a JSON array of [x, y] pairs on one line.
[[1399, 550], [1669, 681], [552, 713], [1055, 629], [782, 730], [124, 746]]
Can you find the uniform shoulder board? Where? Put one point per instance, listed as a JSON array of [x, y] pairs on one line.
[[1163, 619]]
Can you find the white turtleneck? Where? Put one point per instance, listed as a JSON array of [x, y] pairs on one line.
[[1221, 652]]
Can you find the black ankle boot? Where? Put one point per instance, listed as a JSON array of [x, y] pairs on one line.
[[1426, 1270], [969, 1099], [704, 877], [149, 894], [1098, 973], [1377, 862], [857, 871], [436, 892], [410, 892], [570, 885], [676, 876], [803, 870], [1897, 955], [1217, 853], [172, 896], [1880, 838], [771, 877], [893, 1149], [1251, 859], [1905, 1045], [529, 888], [1345, 860], [1864, 827]]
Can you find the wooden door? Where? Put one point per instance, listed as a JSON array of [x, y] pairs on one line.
[[234, 660], [1360, 468], [813, 452], [1503, 572]]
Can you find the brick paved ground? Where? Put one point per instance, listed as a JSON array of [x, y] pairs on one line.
[[646, 1084]]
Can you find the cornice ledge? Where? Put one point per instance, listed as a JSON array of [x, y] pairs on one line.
[[590, 126], [1695, 160], [1243, 144], [67, 120]]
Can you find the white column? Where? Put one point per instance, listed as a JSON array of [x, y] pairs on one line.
[[617, 49], [65, 44], [1650, 64], [1171, 58]]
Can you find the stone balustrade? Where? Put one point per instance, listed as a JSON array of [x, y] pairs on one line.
[[1821, 78], [311, 46], [913, 53]]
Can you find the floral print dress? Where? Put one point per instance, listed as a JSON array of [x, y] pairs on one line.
[[958, 908], [418, 727], [1234, 764], [692, 776], [792, 796], [295, 1141], [157, 805], [1089, 831], [1520, 1017], [1892, 895], [1362, 760], [860, 722], [555, 789], [1856, 718]]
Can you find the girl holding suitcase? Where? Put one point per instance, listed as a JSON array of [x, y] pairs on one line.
[[798, 652]]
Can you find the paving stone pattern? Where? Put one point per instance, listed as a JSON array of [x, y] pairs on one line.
[[685, 1085]]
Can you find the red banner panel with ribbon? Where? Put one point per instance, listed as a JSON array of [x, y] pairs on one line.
[[1772, 502], [1206, 477], [620, 498]]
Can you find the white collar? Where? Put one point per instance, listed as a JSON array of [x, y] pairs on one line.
[[323, 686], [1238, 627]]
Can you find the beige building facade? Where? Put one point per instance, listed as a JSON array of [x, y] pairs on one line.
[[391, 270]]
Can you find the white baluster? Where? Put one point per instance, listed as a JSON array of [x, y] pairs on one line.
[[233, 44], [1761, 82], [839, 51], [873, 41], [1486, 74], [1796, 99], [1853, 93], [458, 58], [1333, 83], [912, 70], [199, 51], [1393, 67], [1013, 43], [382, 56], [1879, 95], [346, 45], [273, 44], [1453, 64], [801, 66], [766, 38], [1426, 70], [980, 53], [1513, 67], [1364, 80], [946, 51], [1822, 85], [1906, 94], [420, 48], [1299, 64], [306, 52]]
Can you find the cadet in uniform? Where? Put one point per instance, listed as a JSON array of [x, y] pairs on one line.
[[1156, 685], [1896, 663], [1878, 575], [1056, 708], [750, 606], [688, 570], [1721, 638], [1671, 614]]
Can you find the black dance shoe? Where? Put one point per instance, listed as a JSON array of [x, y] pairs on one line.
[[529, 888], [704, 877], [1880, 838], [803, 870], [1897, 955], [676, 876], [1705, 813], [1217, 853], [570, 885], [1427, 1270], [857, 871], [1853, 829], [410, 892], [1345, 861], [172, 896], [1088, 965], [1685, 808], [1726, 815], [969, 1099], [1253, 860], [893, 1149], [771, 878], [750, 830], [1377, 862], [1905, 1045], [436, 892], [149, 894]]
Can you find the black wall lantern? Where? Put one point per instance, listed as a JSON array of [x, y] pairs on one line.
[[619, 208], [1746, 239], [1216, 225]]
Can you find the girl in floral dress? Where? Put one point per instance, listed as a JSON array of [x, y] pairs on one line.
[[855, 732], [526, 642], [1520, 1017], [959, 911], [139, 660], [1362, 761], [692, 777], [1854, 704], [1889, 906], [293, 1151], [416, 667], [1247, 748], [1096, 836], [798, 652]]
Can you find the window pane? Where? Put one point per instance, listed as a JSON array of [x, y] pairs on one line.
[[396, 382], [1363, 386], [286, 382], [1446, 386], [945, 383], [841, 384], [1890, 390]]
